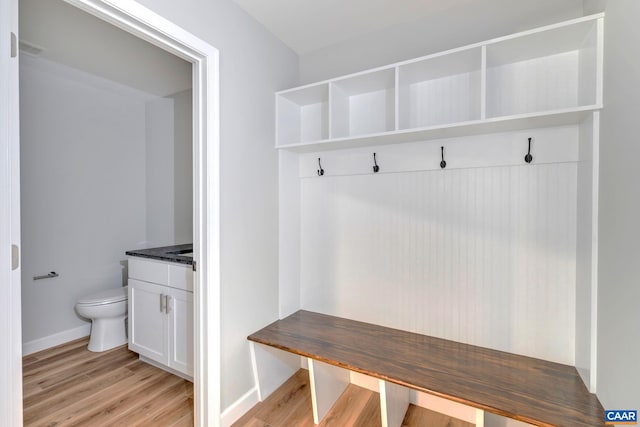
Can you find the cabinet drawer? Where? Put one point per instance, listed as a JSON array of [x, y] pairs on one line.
[[149, 271], [181, 277], [177, 276]]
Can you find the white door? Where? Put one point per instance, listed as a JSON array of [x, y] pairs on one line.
[[11, 329], [148, 320], [180, 308]]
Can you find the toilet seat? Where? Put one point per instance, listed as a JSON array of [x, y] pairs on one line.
[[109, 296]]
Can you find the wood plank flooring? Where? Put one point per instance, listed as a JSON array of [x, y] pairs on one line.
[[71, 386], [290, 406]]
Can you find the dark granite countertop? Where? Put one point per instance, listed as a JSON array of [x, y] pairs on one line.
[[182, 254]]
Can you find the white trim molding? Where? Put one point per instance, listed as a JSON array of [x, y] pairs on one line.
[[240, 407], [54, 340], [10, 271]]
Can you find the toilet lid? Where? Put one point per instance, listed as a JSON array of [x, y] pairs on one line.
[[105, 297]]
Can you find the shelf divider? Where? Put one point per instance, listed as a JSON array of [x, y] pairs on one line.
[[483, 83]]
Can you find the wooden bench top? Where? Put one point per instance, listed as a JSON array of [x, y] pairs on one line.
[[523, 388]]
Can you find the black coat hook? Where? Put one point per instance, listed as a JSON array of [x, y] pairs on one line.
[[376, 168], [528, 158], [443, 164], [320, 170]]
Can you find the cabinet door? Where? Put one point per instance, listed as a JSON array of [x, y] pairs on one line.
[[148, 320], [180, 308]]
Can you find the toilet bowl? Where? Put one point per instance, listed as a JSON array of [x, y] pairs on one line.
[[108, 312]]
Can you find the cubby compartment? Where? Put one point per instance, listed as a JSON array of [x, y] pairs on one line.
[[363, 104], [303, 115], [553, 69], [545, 77], [440, 90]]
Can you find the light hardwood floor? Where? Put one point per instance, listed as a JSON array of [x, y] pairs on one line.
[[290, 405], [71, 386]]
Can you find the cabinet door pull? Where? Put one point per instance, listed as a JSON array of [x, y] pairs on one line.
[[167, 304], [163, 303]]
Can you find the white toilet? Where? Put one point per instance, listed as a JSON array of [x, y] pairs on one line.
[[108, 312]]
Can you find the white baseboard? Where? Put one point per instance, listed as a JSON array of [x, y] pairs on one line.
[[239, 407], [56, 339]]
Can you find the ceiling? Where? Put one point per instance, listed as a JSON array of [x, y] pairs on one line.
[[74, 38], [310, 25], [306, 26]]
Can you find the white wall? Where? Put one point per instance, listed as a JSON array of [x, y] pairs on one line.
[[83, 189], [169, 170], [159, 169], [456, 26], [253, 64], [183, 167], [619, 250]]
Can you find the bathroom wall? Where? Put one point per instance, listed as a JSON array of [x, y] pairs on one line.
[[183, 167], [83, 191], [105, 168], [169, 170], [159, 168]]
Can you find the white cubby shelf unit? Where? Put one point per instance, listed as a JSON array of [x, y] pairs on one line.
[[549, 76]]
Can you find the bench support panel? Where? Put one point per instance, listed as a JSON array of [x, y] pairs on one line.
[[394, 402], [328, 382], [479, 418], [271, 368]]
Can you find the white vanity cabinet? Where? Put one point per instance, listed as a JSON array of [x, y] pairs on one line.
[[161, 314]]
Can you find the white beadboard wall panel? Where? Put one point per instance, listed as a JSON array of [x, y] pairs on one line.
[[339, 107], [314, 122], [288, 234], [479, 255], [545, 83], [445, 100], [365, 111], [372, 112], [549, 145]]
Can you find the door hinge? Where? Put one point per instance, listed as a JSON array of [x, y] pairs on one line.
[[193, 265], [15, 257], [14, 45]]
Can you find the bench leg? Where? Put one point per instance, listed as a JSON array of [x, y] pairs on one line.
[[327, 384], [394, 402], [271, 368]]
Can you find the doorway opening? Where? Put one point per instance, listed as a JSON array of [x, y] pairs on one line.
[[148, 26]]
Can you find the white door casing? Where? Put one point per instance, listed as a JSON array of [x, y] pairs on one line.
[[10, 290]]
